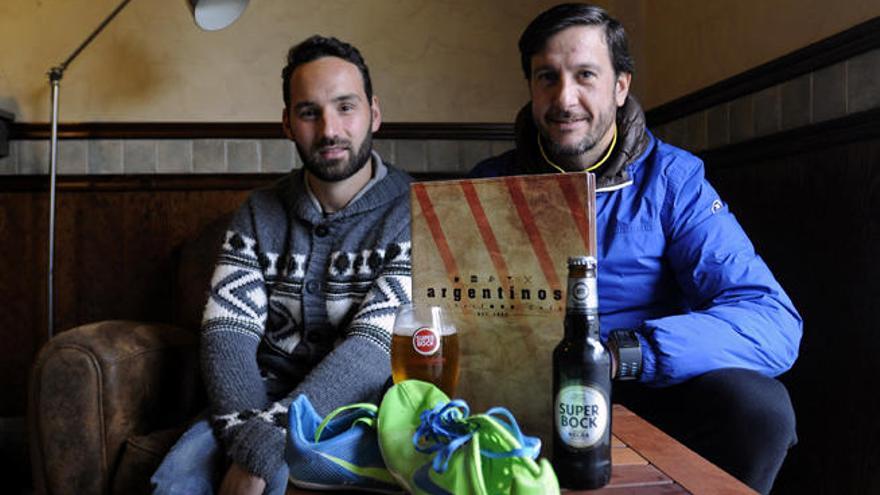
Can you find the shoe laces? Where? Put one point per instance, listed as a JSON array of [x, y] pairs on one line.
[[367, 417], [445, 428]]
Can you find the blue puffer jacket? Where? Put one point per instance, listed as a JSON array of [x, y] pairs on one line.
[[673, 261]]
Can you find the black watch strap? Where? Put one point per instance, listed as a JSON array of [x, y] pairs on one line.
[[629, 353]]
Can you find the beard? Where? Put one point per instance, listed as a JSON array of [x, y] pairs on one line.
[[336, 170], [600, 125]]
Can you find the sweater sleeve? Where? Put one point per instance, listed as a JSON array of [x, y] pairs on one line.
[[355, 371], [232, 327], [739, 316]]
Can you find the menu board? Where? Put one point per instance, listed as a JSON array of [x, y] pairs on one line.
[[493, 253]]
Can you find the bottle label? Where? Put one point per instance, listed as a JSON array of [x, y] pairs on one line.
[[582, 294], [581, 415], [426, 341]]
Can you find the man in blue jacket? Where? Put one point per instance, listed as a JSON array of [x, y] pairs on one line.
[[690, 312]]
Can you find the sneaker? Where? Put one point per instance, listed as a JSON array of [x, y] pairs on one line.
[[340, 452], [434, 446]]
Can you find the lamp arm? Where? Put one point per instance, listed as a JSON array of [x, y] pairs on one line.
[[210, 22], [56, 73]]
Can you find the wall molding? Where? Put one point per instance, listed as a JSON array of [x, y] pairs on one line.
[[837, 48], [160, 182], [852, 128], [253, 130]]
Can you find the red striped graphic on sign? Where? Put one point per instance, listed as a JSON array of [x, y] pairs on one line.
[[575, 204], [440, 241], [528, 221], [470, 194], [436, 230]]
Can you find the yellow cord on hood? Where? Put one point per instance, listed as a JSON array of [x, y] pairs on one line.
[[594, 167]]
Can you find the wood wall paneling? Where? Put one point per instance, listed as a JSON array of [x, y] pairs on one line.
[[23, 218], [814, 216], [115, 259]]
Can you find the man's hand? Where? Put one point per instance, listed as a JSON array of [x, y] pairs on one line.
[[238, 481]]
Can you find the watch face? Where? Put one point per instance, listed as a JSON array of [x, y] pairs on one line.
[[625, 338], [629, 354]]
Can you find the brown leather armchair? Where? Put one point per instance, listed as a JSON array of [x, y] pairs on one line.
[[107, 400]]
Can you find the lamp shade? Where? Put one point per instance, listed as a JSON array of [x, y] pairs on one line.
[[212, 15]]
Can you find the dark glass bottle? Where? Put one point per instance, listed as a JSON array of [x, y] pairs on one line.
[[582, 387]]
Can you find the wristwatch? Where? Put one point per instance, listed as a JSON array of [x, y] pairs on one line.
[[628, 351]]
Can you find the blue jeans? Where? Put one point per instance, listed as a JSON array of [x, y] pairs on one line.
[[196, 465]]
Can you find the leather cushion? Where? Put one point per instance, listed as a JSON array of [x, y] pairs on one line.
[[141, 456]]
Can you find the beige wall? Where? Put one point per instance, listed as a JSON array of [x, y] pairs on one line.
[[691, 44], [432, 60], [451, 60]]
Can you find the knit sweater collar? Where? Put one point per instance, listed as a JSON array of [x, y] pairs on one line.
[[386, 190], [632, 142]]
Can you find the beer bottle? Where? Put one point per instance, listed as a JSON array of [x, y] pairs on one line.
[[582, 387]]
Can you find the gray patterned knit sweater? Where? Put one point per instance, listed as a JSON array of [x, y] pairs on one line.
[[302, 302]]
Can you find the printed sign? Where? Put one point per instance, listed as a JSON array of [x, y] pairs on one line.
[[493, 253]]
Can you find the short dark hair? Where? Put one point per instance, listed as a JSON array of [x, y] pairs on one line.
[[316, 47], [567, 15]]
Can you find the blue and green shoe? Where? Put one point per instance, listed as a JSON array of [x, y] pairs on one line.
[[434, 446], [340, 452]]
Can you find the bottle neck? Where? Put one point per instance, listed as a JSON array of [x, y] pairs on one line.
[[582, 308]]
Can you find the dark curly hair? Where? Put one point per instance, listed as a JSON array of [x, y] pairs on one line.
[[317, 47]]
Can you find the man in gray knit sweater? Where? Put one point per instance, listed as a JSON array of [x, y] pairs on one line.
[[306, 286]]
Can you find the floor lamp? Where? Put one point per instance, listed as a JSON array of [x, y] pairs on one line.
[[210, 15]]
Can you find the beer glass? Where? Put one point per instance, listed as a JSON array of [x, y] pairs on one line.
[[425, 347]]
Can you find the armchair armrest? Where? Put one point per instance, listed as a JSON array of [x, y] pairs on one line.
[[94, 386]]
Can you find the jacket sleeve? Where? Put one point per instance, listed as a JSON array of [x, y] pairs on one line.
[[738, 315]]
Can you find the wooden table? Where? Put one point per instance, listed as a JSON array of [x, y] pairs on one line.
[[647, 461]]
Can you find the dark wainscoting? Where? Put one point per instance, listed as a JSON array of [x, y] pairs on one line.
[[810, 201], [117, 243], [115, 259]]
